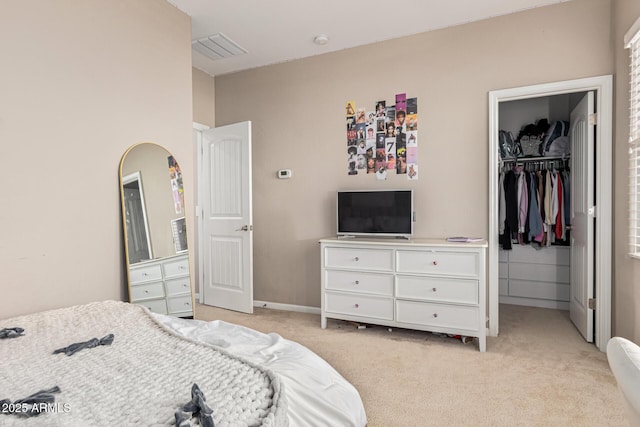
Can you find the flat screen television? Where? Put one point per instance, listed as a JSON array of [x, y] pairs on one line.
[[384, 213]]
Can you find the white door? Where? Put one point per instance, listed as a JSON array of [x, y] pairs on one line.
[[582, 216], [227, 230]]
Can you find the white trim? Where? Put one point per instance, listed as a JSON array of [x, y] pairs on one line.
[[533, 302], [604, 161], [199, 128], [286, 307], [633, 34]]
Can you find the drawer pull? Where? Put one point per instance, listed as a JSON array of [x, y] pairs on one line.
[[357, 282], [434, 262], [435, 314], [187, 304], [434, 289], [146, 292], [356, 259], [357, 305]]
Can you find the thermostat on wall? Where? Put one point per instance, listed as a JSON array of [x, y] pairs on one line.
[[285, 173]]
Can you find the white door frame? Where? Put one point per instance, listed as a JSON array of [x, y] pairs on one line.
[[603, 85], [197, 140]]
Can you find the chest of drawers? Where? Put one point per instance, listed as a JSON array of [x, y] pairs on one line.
[[424, 284], [162, 285]]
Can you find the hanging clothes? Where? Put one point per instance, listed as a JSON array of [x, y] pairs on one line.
[[534, 206], [559, 227], [511, 209], [502, 204], [535, 219]]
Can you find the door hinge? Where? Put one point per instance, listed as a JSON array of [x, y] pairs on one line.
[[593, 119], [592, 304], [593, 211]]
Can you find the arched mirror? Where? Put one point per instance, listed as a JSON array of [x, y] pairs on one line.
[[155, 230]]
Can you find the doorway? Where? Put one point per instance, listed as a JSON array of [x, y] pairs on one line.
[[225, 230], [602, 86]]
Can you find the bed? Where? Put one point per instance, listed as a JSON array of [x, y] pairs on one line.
[[149, 370]]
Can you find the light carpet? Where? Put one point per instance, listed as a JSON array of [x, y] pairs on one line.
[[538, 372]]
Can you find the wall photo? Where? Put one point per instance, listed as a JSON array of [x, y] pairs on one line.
[[384, 140]]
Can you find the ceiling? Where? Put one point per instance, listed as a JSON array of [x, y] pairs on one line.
[[274, 31]]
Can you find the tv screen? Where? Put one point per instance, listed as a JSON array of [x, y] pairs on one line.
[[375, 212]]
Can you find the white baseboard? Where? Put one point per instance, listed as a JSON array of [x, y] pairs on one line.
[[533, 302], [286, 307]]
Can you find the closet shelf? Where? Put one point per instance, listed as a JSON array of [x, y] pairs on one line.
[[534, 159]]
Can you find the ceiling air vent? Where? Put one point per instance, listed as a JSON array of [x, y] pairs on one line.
[[217, 46]]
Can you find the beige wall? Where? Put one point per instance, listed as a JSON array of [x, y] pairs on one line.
[[297, 110], [626, 294], [204, 111], [81, 81]]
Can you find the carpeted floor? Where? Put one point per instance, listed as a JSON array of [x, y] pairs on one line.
[[538, 372]]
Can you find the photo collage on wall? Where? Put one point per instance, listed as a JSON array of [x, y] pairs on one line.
[[175, 175], [383, 141]]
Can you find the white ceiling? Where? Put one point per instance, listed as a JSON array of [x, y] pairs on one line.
[[274, 31]]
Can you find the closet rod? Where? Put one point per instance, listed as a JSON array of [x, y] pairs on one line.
[[534, 159]]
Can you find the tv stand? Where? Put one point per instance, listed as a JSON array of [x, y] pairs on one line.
[[425, 284]]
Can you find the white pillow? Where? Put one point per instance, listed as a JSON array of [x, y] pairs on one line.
[[624, 360]]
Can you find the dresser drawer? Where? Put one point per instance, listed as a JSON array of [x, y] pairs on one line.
[[557, 255], [503, 270], [359, 281], [503, 286], [463, 291], [540, 272], [436, 262], [145, 274], [359, 259], [539, 290], [438, 315], [179, 267], [155, 305], [178, 286], [147, 291], [359, 305], [179, 304]]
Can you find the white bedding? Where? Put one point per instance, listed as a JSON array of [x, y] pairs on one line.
[[140, 379], [317, 394]]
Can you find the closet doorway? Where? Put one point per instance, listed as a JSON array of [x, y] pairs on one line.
[[597, 175]]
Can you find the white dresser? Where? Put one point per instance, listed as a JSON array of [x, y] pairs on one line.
[[162, 285], [426, 284]]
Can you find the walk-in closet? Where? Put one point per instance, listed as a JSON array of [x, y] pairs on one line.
[[550, 201], [534, 201]]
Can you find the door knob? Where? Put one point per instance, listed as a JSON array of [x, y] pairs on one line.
[[245, 228]]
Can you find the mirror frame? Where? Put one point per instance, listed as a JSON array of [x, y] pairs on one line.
[[124, 225]]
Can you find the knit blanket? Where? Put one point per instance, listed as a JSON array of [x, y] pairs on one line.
[[142, 378]]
